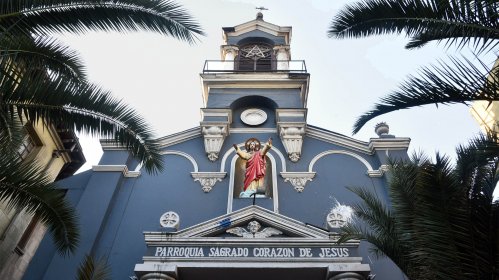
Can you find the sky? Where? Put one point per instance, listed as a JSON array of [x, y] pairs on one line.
[[159, 76]]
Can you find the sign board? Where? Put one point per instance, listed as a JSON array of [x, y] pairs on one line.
[[234, 251]]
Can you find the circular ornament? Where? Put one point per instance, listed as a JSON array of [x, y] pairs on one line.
[[169, 220], [253, 117]]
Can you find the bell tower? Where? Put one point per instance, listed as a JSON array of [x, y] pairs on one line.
[[255, 86]]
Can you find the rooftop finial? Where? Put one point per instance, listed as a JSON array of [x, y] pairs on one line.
[[259, 15]]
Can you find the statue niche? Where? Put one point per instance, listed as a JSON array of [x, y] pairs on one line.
[[253, 170]]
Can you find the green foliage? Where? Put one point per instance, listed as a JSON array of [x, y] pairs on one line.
[[42, 80], [91, 269], [24, 185], [459, 23], [442, 223]]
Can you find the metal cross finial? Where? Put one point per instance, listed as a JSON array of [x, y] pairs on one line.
[[262, 8]]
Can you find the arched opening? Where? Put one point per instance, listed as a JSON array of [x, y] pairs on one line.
[[239, 174]]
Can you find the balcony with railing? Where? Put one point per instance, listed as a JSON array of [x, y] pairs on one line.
[[251, 66]]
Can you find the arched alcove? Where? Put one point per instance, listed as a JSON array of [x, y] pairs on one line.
[[236, 181]]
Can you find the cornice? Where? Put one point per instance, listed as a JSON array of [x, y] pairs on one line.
[[338, 139], [261, 25], [398, 143], [180, 137], [116, 168]]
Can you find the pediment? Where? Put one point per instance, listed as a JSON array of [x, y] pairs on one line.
[[261, 25], [268, 220]]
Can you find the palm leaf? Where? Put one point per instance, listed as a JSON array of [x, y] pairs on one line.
[[91, 269], [46, 16], [459, 22], [460, 82], [442, 217], [42, 54], [84, 107], [23, 186]]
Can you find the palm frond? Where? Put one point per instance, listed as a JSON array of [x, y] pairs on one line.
[[78, 16], [86, 108], [459, 22], [91, 269], [40, 54], [460, 82], [23, 186]]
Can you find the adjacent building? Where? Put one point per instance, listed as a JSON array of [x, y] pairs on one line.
[[59, 153], [254, 192]]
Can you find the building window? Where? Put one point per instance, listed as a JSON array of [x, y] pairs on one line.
[[21, 245], [255, 57], [29, 143]]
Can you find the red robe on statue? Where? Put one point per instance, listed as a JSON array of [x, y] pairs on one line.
[[255, 168]]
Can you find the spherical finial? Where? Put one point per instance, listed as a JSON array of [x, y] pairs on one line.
[[382, 129], [259, 16]]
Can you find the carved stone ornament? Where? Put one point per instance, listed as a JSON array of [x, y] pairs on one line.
[[254, 231], [208, 179], [170, 219], [214, 137], [298, 179], [339, 216], [253, 116], [292, 139]]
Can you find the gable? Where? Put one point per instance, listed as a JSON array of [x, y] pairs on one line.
[[218, 227]]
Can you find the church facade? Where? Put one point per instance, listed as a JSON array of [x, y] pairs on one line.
[[254, 192]]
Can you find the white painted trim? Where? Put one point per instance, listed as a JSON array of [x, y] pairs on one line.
[[180, 137], [241, 145], [253, 130], [253, 212], [337, 139], [298, 179], [370, 171], [208, 179], [116, 168], [182, 154], [342, 152], [398, 143], [275, 195]]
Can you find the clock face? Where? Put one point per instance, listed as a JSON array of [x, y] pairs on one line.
[[253, 116]]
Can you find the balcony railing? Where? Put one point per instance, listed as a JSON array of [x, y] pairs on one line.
[[285, 66]]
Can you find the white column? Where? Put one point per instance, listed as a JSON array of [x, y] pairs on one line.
[[229, 54], [282, 57]]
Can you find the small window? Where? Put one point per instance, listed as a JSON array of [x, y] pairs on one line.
[[29, 143], [21, 245]]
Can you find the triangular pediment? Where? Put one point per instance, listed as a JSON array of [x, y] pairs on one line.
[[269, 28], [218, 227]]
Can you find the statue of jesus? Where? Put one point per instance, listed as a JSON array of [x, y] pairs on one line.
[[255, 165]]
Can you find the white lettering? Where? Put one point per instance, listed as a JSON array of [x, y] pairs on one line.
[[305, 252], [334, 252]]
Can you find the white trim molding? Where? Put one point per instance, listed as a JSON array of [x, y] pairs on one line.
[[378, 173], [370, 171], [208, 179], [275, 195], [116, 168], [298, 179], [241, 145], [180, 137], [182, 154]]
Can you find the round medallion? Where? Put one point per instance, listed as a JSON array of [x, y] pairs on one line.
[[169, 220], [253, 117]]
